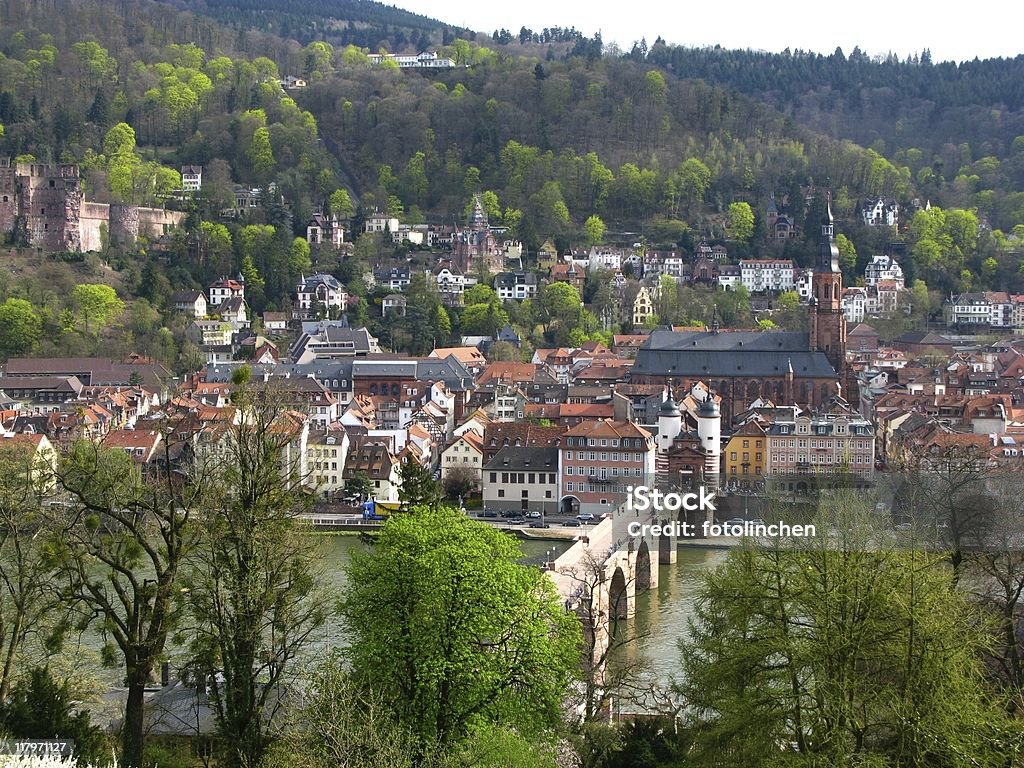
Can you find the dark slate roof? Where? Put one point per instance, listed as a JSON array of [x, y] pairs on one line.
[[455, 375], [740, 353], [524, 459]]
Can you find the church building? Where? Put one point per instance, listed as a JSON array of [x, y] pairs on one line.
[[740, 366]]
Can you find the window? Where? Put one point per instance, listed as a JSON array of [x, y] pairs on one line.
[[732, 456], [501, 493]]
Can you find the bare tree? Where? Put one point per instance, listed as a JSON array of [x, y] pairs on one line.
[[994, 576], [944, 491], [613, 672]]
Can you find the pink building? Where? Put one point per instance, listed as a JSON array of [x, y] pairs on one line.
[[599, 460]]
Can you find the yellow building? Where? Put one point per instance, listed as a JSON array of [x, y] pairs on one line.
[[746, 455]]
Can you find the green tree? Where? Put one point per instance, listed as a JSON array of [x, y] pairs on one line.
[[740, 224], [558, 303], [261, 153], [858, 635], [119, 547], [253, 586], [593, 229], [483, 639], [358, 484], [299, 260], [96, 304], [20, 328], [847, 256], [40, 708], [483, 319], [340, 204], [417, 488], [29, 611], [480, 294]]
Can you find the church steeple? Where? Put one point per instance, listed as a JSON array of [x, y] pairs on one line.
[[828, 251], [828, 324]]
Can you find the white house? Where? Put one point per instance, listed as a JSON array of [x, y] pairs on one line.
[[805, 283], [323, 229], [516, 285], [380, 222], [771, 275], [225, 289], [883, 268], [191, 178], [879, 212], [729, 277], [605, 258], [319, 290], [855, 304]]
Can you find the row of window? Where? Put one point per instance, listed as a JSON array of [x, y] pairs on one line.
[[525, 494], [604, 442], [746, 470], [857, 445], [521, 477], [826, 459], [612, 472], [746, 456], [588, 488], [614, 456]]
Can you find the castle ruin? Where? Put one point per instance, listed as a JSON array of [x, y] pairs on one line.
[[44, 206]]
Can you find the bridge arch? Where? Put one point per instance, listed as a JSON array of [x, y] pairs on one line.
[[644, 567], [618, 596]]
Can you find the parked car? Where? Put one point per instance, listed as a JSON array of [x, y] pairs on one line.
[[533, 513], [572, 523], [539, 524], [516, 520], [489, 513], [585, 516]]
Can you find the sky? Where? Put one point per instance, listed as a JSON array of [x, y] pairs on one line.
[[955, 33]]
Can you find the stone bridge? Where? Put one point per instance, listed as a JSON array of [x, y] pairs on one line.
[[599, 576]]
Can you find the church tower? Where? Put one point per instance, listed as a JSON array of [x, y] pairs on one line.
[[828, 323]]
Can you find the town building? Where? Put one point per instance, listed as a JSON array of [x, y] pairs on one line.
[[767, 275], [224, 289], [516, 285], [319, 295], [599, 460], [191, 178], [805, 451], [522, 479], [323, 229]]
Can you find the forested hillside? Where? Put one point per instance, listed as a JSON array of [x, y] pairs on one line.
[[562, 139], [356, 22]]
